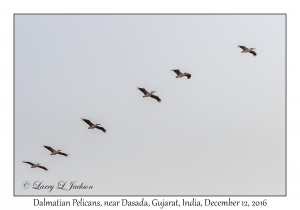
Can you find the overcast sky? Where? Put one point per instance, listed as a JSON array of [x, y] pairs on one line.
[[222, 132]]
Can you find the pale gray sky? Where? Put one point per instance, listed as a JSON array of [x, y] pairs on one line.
[[222, 132]]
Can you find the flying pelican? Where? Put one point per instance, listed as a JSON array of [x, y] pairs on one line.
[[54, 152], [147, 94], [94, 125], [36, 165], [245, 50], [179, 74]]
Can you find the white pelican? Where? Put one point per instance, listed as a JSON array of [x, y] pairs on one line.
[[54, 152], [179, 74], [36, 165], [245, 50], [94, 125], [147, 94]]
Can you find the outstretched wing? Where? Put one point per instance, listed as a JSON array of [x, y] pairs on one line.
[[243, 47], [87, 121], [143, 90], [28, 163], [176, 71], [101, 128], [61, 153], [49, 148], [43, 167], [156, 97], [187, 75], [253, 53]]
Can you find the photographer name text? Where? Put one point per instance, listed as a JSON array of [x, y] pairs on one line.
[[62, 185]]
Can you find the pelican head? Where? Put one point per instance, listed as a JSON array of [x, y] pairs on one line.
[[153, 92]]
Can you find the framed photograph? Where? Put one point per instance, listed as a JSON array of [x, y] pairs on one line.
[[150, 105]]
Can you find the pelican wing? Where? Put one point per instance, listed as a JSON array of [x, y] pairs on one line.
[[101, 128], [61, 153], [43, 167], [176, 71], [156, 97], [253, 52], [28, 163], [143, 90], [88, 122], [49, 148], [187, 75], [243, 47]]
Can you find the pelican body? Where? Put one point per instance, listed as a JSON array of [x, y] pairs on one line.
[[179, 74], [55, 152], [247, 50], [149, 94], [92, 126], [36, 165]]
